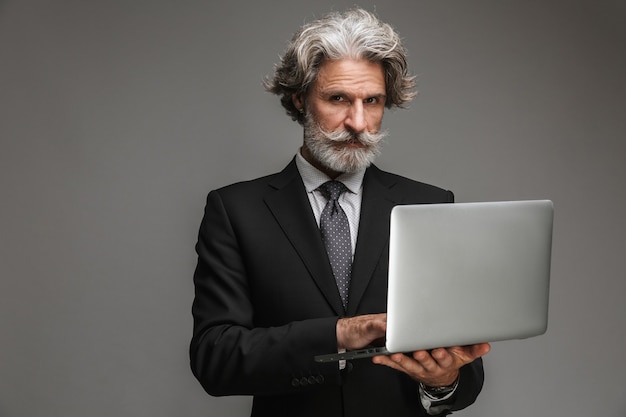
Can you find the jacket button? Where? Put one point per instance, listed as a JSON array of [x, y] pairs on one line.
[[304, 381], [320, 379], [312, 380], [295, 382]]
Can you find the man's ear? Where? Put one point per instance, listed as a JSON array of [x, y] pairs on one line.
[[298, 101]]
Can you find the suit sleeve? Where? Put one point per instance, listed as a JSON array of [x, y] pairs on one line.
[[229, 354]]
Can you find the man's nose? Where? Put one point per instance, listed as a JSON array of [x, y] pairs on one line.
[[355, 119]]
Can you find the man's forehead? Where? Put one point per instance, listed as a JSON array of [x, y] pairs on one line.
[[351, 75]]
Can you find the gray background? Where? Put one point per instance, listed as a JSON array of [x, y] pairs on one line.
[[117, 117]]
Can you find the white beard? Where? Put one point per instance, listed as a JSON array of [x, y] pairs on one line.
[[328, 148]]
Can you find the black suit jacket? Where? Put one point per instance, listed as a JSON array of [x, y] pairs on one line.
[[266, 301]]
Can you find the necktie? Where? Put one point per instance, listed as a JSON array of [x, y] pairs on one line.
[[336, 236]]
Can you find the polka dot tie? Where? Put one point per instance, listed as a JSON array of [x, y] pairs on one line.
[[336, 236]]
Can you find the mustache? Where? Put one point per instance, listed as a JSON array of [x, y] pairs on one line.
[[366, 138], [313, 128]]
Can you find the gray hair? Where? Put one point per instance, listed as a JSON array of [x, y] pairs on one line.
[[355, 34]]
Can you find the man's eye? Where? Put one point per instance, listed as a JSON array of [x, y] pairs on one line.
[[336, 98], [371, 100]]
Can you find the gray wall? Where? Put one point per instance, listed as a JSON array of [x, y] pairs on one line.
[[117, 117]]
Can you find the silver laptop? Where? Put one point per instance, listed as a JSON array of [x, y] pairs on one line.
[[465, 273]]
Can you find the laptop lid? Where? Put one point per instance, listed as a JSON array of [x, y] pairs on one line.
[[465, 273]]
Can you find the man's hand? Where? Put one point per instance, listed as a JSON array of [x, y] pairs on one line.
[[439, 368], [360, 331]]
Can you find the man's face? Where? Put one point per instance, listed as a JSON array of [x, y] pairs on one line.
[[344, 112]]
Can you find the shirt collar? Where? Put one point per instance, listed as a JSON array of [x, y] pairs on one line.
[[313, 177]]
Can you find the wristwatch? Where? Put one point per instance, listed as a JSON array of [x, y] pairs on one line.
[[439, 392]]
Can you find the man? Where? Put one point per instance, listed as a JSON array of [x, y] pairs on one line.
[[271, 289]]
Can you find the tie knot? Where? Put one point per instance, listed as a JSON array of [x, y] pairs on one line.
[[332, 189]]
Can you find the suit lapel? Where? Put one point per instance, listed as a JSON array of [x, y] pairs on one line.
[[291, 209]]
